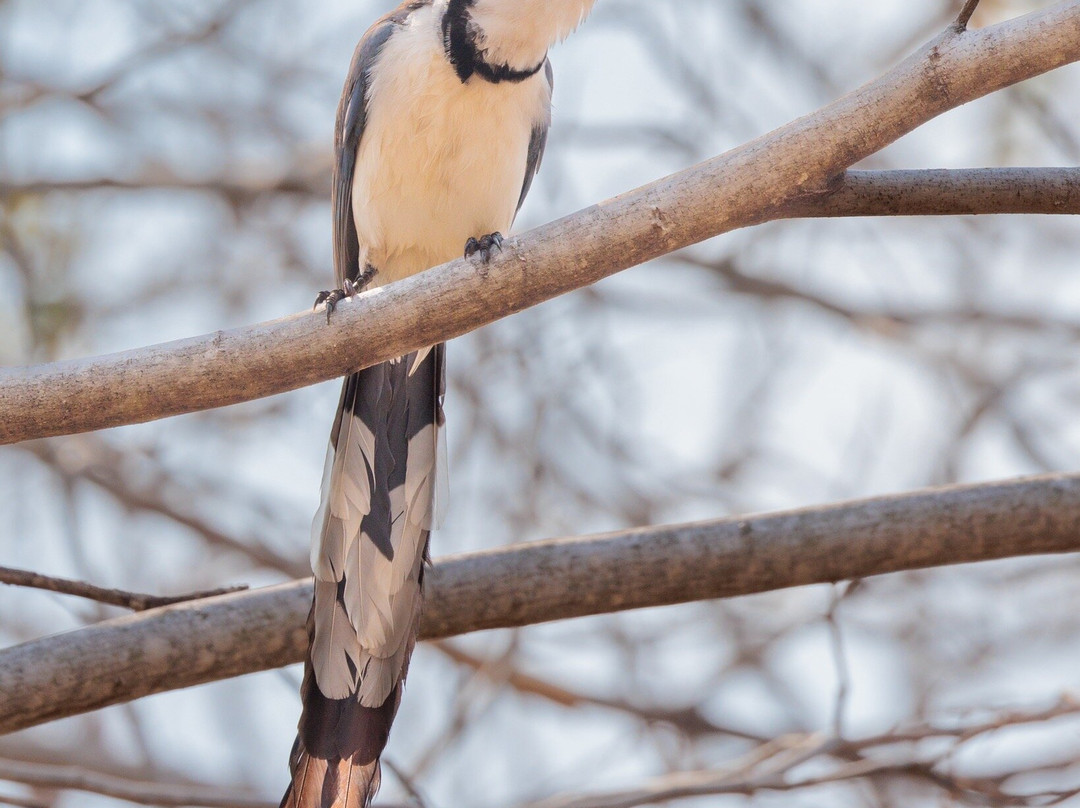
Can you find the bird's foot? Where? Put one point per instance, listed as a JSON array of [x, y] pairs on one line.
[[332, 297], [485, 245]]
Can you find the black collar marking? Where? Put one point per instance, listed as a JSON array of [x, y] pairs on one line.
[[460, 46]]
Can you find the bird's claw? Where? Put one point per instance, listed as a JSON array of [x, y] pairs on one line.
[[331, 297], [485, 246], [349, 288]]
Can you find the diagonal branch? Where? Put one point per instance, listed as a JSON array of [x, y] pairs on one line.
[[748, 185], [964, 17], [136, 601], [203, 641], [690, 721]]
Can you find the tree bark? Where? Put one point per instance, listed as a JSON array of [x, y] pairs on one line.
[[202, 641], [944, 192]]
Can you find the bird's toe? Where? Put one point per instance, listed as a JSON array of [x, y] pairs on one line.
[[331, 297], [485, 246]]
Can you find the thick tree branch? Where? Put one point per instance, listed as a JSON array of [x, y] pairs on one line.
[[917, 192], [745, 186], [192, 643], [944, 192]]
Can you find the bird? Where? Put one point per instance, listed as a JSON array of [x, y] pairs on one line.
[[441, 127]]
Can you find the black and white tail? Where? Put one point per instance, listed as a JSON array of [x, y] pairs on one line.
[[380, 500]]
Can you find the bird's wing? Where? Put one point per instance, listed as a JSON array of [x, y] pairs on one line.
[[348, 131], [538, 140]]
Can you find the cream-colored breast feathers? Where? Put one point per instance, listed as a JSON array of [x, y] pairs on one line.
[[459, 154]]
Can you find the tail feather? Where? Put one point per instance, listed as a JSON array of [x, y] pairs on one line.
[[332, 784], [335, 759], [369, 547]]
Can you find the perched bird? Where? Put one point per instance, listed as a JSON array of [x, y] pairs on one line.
[[440, 130]]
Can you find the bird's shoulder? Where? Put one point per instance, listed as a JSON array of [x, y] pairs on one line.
[[367, 49], [400, 14]]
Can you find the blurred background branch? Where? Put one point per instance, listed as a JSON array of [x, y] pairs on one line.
[[115, 597]]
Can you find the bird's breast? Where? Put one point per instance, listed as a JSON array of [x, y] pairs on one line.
[[439, 160]]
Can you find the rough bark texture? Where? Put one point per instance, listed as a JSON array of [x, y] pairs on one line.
[[202, 641], [745, 186], [944, 192]]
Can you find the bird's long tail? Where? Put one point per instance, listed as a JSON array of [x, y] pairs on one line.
[[335, 758], [369, 546]]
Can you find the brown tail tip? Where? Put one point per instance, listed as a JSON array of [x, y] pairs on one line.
[[334, 783]]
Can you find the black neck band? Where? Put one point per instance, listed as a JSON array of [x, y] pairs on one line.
[[460, 46]]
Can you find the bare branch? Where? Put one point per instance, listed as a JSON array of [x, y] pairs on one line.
[[964, 17], [764, 769], [238, 190], [683, 785], [745, 186], [840, 662], [406, 783], [203, 641], [911, 192], [45, 775], [18, 802], [114, 597], [690, 721], [887, 321], [944, 192], [152, 489], [769, 767], [965, 731]]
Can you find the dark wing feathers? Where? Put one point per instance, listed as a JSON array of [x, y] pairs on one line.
[[537, 142], [348, 130]]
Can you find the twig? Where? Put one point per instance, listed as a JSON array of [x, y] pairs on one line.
[[149, 488], [1065, 707], [204, 641], [843, 674], [769, 768], [682, 785], [690, 720], [19, 802], [114, 597], [736, 780], [237, 190], [745, 186], [964, 17], [888, 322], [407, 784], [44, 775]]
